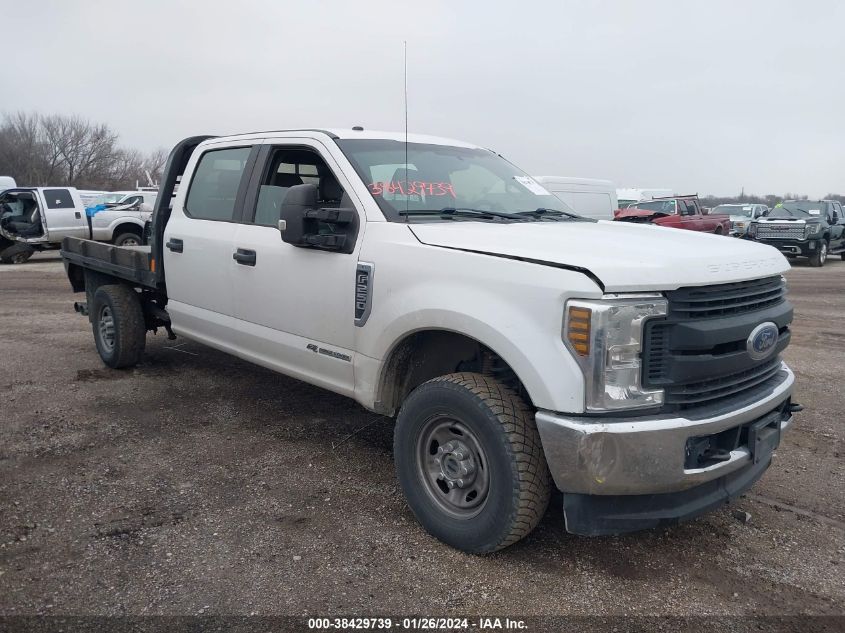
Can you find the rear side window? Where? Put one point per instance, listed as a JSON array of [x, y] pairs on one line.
[[215, 184], [58, 199]]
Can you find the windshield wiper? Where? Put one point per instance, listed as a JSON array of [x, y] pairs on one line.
[[463, 211], [544, 212]]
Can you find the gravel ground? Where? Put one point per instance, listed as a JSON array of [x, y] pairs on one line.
[[198, 483]]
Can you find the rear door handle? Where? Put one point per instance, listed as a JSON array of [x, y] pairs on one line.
[[245, 257], [175, 245], [78, 215]]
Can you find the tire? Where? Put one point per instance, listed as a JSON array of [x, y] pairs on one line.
[[718, 230], [117, 320], [469, 422], [819, 257], [16, 254], [127, 239], [842, 255]]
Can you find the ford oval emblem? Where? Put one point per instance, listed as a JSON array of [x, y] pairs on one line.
[[762, 340]]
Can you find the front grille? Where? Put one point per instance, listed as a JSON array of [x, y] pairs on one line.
[[697, 353], [780, 231], [726, 299], [706, 390]]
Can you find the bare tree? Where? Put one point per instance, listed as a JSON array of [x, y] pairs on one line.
[[70, 150]]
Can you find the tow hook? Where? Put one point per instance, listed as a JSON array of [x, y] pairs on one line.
[[81, 307], [794, 407]]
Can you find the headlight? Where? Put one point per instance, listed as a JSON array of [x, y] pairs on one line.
[[812, 229], [606, 338]]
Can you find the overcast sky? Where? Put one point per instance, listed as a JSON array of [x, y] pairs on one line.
[[701, 97]]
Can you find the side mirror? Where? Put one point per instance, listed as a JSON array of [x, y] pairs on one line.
[[302, 223], [298, 200]]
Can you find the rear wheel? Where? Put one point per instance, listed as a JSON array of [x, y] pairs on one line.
[[818, 258], [469, 459], [127, 239], [118, 324], [16, 254]]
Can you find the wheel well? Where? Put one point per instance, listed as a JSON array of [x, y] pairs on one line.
[[127, 227], [427, 354]]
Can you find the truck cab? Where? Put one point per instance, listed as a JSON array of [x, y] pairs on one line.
[[519, 346], [38, 218]]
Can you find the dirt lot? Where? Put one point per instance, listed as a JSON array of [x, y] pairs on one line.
[[198, 483]]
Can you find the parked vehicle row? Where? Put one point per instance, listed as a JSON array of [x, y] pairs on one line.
[[433, 281], [680, 212], [38, 218]]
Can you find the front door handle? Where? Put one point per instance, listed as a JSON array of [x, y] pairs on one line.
[[245, 257], [77, 215], [175, 245]]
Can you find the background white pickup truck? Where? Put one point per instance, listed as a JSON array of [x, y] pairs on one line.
[[39, 218], [634, 367]]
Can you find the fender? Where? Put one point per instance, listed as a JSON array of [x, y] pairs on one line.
[[514, 308]]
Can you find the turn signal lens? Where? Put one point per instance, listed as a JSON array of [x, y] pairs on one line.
[[578, 329]]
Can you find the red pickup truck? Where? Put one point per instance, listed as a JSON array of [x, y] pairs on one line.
[[680, 212]]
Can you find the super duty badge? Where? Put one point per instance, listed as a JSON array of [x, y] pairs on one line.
[[363, 292]]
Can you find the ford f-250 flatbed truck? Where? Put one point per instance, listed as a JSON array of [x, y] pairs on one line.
[[518, 345]]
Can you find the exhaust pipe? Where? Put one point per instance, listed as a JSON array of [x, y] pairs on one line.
[[81, 307]]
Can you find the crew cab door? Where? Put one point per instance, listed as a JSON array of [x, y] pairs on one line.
[[198, 243], [294, 306], [63, 214], [692, 218], [837, 227]]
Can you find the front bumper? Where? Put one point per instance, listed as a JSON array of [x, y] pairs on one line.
[[625, 474], [648, 455], [804, 248]]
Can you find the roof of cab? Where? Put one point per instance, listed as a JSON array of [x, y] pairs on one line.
[[349, 133]]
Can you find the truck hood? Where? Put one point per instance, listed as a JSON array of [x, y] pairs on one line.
[[637, 213], [622, 256]]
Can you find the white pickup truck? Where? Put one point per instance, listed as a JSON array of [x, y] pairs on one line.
[[39, 218], [638, 369]]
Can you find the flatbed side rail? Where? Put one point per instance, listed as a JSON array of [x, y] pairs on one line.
[[129, 264]]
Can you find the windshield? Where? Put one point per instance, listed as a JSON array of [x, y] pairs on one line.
[[734, 209], [799, 209], [444, 177], [661, 206]]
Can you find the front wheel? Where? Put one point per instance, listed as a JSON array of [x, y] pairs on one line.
[[118, 323], [469, 459], [16, 254], [818, 258]]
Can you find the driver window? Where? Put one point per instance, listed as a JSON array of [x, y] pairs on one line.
[[287, 168]]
